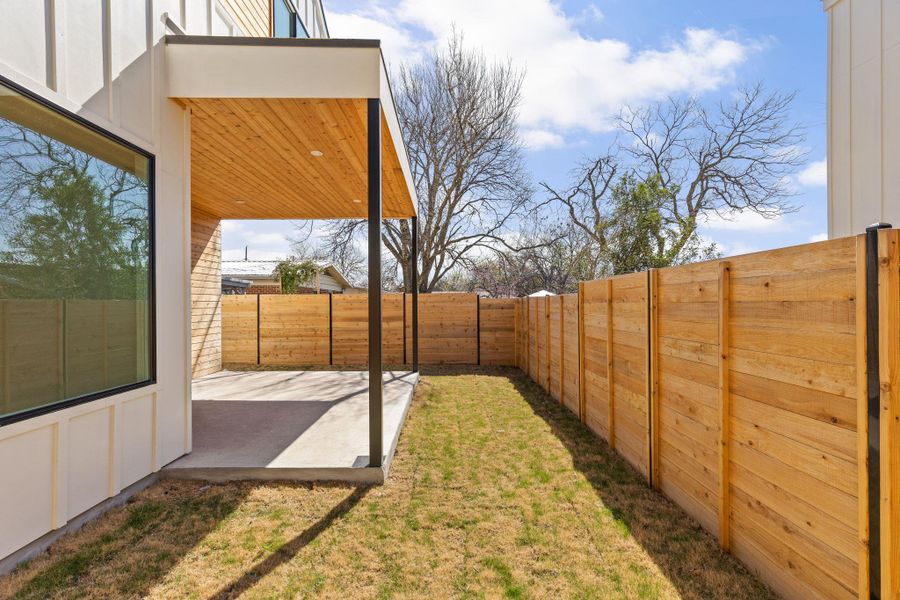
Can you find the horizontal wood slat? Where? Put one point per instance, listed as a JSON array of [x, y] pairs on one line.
[[757, 437], [306, 329]]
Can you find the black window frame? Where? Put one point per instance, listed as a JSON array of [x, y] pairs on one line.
[[294, 20], [151, 266]]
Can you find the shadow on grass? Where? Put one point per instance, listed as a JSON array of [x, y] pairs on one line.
[[290, 549], [688, 556], [132, 549]]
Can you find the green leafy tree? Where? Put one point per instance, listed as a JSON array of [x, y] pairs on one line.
[[71, 244], [293, 273], [637, 234]]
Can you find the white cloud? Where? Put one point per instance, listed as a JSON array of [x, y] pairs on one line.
[[232, 226], [745, 221], [815, 174], [572, 81], [591, 12], [737, 248], [819, 237], [397, 43], [266, 239], [540, 139]]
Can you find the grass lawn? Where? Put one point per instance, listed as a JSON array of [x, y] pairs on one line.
[[496, 491]]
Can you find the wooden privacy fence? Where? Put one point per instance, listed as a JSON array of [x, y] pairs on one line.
[[738, 388], [333, 330], [52, 349]]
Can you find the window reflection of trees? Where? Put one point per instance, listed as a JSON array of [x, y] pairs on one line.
[[73, 225]]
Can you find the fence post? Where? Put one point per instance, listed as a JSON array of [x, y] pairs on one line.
[[562, 349], [582, 401], [611, 391], [478, 328], [887, 452], [653, 376], [527, 336], [724, 406], [547, 336], [862, 414]]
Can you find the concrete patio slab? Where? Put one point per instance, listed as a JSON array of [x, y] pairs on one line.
[[290, 425]]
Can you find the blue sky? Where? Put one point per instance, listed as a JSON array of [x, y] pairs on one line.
[[586, 60]]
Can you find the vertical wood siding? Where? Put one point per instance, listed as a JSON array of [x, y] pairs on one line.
[[863, 114]]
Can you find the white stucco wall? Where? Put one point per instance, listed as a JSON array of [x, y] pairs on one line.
[[863, 114], [103, 59]]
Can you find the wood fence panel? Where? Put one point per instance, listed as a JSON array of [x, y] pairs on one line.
[[396, 350], [34, 366], [531, 338], [86, 361], [630, 368], [554, 352], [350, 329], [528, 335], [239, 329], [596, 370], [542, 343], [520, 333], [687, 359], [793, 391], [570, 375], [448, 328], [52, 350], [293, 330], [498, 331]]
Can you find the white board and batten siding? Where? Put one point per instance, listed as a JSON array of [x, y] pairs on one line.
[[863, 114], [103, 60]]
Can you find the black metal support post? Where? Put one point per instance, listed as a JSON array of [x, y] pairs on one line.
[[376, 384], [873, 385], [414, 275]]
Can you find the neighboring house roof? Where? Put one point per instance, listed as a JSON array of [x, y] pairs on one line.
[[265, 269], [235, 283], [541, 294]]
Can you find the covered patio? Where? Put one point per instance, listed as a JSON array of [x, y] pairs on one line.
[[297, 425], [290, 129]]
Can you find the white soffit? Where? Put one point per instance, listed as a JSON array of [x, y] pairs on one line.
[[216, 67]]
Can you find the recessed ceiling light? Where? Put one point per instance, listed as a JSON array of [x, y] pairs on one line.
[[240, 201], [357, 201], [316, 152]]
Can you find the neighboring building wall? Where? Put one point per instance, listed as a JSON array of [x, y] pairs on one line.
[[105, 61], [206, 294], [864, 114], [260, 288]]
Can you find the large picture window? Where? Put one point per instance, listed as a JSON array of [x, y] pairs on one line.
[[286, 23], [76, 267]]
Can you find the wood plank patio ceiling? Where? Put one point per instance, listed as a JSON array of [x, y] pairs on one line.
[[251, 158]]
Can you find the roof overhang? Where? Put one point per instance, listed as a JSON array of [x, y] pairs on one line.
[[260, 108]]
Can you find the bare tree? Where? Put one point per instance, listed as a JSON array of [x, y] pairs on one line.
[[459, 120], [700, 162], [555, 258], [347, 257]]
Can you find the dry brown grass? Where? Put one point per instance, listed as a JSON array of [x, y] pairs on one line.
[[496, 491]]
